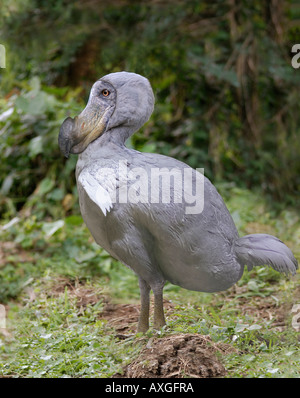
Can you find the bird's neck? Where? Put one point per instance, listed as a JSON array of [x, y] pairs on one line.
[[111, 142], [117, 135]]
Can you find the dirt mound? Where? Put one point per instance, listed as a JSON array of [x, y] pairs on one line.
[[184, 355]]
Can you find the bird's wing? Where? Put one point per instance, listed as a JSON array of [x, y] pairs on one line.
[[93, 187]]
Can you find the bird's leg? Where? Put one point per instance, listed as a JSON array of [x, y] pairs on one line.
[[159, 317], [143, 324]]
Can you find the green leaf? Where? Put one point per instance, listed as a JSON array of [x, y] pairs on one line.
[[240, 327], [74, 220], [85, 256], [35, 102], [45, 186], [35, 83], [252, 285], [49, 228], [254, 327], [32, 103], [57, 194], [35, 146], [7, 184]]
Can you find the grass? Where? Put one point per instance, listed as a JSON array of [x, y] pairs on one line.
[[54, 283]]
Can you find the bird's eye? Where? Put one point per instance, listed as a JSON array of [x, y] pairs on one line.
[[105, 92]]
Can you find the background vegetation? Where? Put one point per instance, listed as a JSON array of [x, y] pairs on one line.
[[227, 96], [227, 99]]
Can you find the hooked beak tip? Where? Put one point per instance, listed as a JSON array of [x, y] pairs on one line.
[[64, 140]]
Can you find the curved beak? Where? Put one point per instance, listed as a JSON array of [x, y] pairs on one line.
[[76, 134]]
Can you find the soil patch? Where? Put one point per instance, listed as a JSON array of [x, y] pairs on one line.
[[10, 252], [178, 356], [124, 317], [85, 295], [265, 308]]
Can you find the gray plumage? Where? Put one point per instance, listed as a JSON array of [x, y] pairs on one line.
[[159, 241], [263, 249]]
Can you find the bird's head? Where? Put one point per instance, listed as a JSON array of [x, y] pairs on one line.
[[120, 100]]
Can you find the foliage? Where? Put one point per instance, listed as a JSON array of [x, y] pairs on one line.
[[53, 333], [227, 96], [226, 99], [64, 341], [32, 169]]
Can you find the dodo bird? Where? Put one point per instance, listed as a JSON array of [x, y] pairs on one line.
[[139, 206]]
